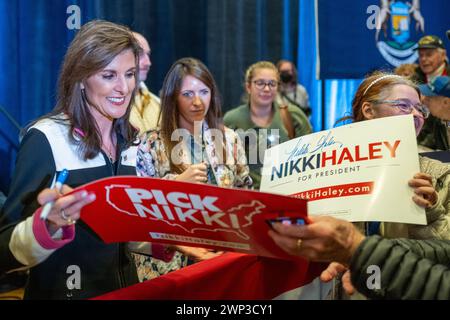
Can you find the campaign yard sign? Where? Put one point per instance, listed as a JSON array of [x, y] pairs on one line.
[[129, 208], [357, 172]]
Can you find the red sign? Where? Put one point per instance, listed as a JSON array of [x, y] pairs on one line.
[[131, 208]]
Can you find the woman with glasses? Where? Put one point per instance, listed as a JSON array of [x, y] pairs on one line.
[[192, 144], [385, 95], [262, 120]]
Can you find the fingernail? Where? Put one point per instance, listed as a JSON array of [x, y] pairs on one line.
[[84, 194], [92, 196]]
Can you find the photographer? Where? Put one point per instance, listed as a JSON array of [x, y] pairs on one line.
[[290, 90]]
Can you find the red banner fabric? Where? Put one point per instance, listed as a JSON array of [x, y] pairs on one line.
[[156, 210], [232, 276]]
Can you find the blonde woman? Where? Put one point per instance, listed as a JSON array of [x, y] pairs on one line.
[[280, 122]]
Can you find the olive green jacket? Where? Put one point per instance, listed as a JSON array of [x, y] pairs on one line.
[[408, 269], [257, 140]]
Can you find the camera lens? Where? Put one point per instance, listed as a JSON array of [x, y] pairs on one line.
[[285, 77]]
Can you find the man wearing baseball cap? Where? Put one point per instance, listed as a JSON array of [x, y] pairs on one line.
[[433, 60]]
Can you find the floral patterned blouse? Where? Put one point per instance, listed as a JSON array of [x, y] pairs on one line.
[[152, 159]]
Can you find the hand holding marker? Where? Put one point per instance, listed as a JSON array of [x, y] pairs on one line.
[[62, 177]]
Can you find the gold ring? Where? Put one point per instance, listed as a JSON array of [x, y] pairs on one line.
[[70, 221], [299, 244]]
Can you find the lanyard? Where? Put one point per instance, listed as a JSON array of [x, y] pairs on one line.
[[204, 155]]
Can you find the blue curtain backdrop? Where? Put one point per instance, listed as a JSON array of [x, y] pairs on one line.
[[330, 99], [227, 35], [33, 40]]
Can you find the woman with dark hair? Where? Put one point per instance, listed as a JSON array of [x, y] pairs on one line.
[[89, 134], [192, 144], [191, 110]]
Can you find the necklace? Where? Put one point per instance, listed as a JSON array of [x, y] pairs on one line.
[[109, 154], [109, 147], [111, 158]]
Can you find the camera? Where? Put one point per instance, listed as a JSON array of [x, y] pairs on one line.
[[286, 77]]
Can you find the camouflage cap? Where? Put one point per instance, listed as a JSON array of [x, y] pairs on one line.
[[430, 42]]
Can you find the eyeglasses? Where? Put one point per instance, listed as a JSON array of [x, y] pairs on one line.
[[261, 84], [406, 106]]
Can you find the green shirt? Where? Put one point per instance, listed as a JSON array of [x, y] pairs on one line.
[[256, 141]]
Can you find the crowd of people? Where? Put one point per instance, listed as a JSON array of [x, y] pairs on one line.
[[106, 123]]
